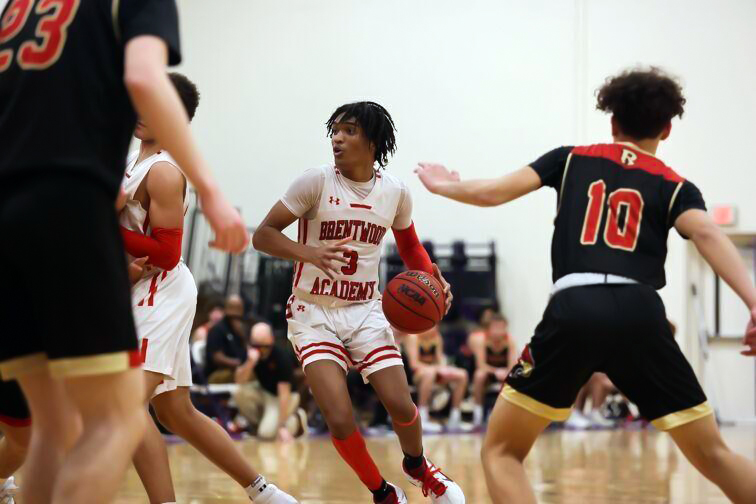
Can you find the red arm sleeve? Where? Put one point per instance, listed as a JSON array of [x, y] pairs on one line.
[[162, 247], [411, 251]]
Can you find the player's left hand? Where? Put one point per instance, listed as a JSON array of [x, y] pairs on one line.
[[434, 175], [750, 336], [448, 296]]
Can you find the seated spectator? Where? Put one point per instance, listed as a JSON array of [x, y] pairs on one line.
[[598, 388], [226, 345], [428, 363], [214, 315], [264, 397], [495, 355]]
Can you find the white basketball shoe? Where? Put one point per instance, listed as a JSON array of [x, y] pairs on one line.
[[435, 484]]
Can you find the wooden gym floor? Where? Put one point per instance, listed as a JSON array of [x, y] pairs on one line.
[[588, 467]]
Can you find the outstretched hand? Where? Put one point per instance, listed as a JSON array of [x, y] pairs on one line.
[[448, 296], [434, 175], [750, 336]]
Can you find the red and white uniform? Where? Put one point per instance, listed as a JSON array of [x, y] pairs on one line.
[[163, 302], [342, 320]]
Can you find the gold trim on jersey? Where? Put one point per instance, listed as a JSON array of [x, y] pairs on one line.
[[564, 178], [28, 364], [672, 201], [683, 417], [91, 365], [535, 407], [114, 9]]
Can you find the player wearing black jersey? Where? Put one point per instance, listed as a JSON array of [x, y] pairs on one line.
[[616, 204], [67, 70]]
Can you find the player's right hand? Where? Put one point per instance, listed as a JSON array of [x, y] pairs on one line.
[[750, 336], [230, 232], [136, 269], [328, 257]]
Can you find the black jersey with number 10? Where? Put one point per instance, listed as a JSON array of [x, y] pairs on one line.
[[63, 101], [615, 207]]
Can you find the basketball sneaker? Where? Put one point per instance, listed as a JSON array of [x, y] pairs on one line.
[[435, 484], [397, 496], [7, 490], [599, 421], [577, 421], [271, 494]]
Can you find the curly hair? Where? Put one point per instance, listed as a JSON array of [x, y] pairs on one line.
[[642, 101], [375, 121], [187, 91]]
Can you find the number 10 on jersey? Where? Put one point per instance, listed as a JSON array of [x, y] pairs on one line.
[[624, 235]]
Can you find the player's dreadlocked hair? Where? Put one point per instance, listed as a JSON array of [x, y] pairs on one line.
[[375, 121], [187, 91], [642, 101]]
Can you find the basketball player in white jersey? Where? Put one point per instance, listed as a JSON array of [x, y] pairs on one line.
[[164, 302], [334, 313]]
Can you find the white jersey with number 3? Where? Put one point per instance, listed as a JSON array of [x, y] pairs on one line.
[[339, 214]]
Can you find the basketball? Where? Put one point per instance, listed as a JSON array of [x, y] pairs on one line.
[[414, 301]]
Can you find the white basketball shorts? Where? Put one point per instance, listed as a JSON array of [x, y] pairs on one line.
[[164, 304], [356, 335]]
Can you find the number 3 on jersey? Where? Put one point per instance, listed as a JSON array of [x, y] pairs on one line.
[[623, 237], [52, 28], [351, 267]]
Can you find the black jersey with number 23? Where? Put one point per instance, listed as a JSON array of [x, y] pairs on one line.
[[63, 103], [616, 205]]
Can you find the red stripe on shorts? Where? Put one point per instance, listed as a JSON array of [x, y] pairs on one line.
[[379, 359], [143, 351], [379, 349], [327, 344], [135, 359], [319, 351]]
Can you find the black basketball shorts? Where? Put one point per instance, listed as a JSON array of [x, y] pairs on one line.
[[64, 292], [620, 330]]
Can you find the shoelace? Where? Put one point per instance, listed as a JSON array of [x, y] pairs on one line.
[[430, 483]]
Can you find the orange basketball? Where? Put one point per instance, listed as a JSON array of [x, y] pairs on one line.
[[414, 301]]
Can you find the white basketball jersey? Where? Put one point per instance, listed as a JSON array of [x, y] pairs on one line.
[[340, 216], [133, 217]]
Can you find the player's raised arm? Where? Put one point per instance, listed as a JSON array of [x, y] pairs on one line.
[[724, 259], [483, 192], [156, 101], [269, 239]]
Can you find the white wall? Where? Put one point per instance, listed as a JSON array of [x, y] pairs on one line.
[[484, 86]]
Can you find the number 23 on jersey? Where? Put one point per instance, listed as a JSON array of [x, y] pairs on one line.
[[51, 31], [619, 235]]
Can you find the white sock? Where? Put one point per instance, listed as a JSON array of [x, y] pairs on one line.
[[256, 487], [455, 416], [478, 414]]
